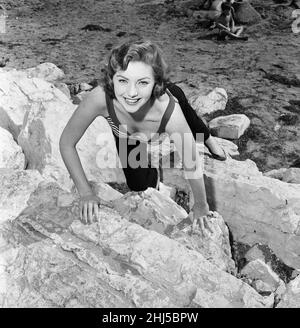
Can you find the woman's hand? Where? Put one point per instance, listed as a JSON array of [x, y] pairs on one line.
[[200, 215], [89, 208]]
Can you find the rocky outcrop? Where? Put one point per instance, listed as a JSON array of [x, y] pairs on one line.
[[257, 209], [291, 299], [169, 264], [16, 188], [257, 270], [212, 102], [229, 126], [11, 155], [43, 111], [50, 259], [154, 211], [290, 175]]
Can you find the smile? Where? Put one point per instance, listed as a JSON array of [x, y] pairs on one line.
[[131, 101]]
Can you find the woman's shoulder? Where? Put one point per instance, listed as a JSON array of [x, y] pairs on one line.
[[96, 99]]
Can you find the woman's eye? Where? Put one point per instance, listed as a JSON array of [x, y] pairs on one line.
[[122, 81], [143, 82]]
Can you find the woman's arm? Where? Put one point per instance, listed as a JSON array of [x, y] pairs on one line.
[[92, 106], [181, 134]]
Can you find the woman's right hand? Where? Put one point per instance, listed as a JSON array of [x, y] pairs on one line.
[[89, 208]]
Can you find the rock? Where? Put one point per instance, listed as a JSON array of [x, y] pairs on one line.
[[167, 190], [214, 245], [186, 274], [150, 209], [262, 287], [11, 155], [43, 112], [159, 213], [77, 99], [291, 298], [85, 86], [229, 126], [290, 175], [214, 101], [16, 188], [245, 13], [254, 253], [18, 93], [229, 147], [63, 88], [7, 124], [45, 71], [257, 209], [258, 270]]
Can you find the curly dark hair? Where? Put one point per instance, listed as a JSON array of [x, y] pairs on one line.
[[144, 51]]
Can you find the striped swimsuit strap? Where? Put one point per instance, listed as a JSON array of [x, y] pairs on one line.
[[115, 124]]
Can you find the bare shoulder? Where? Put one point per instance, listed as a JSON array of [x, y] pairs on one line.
[[95, 102]]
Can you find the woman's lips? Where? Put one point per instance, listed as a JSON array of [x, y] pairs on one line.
[[131, 101]]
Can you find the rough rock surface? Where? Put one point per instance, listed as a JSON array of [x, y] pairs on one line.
[[258, 270], [169, 264], [46, 71], [16, 188], [11, 155], [291, 299], [290, 175], [230, 126], [212, 102], [256, 208], [44, 111], [159, 213], [50, 259]]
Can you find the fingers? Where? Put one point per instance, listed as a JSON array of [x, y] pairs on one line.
[[89, 212], [96, 213], [201, 223], [204, 225], [85, 213]]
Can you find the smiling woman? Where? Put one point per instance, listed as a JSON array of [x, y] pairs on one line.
[[139, 102]]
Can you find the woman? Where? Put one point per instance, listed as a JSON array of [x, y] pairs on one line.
[[136, 94]]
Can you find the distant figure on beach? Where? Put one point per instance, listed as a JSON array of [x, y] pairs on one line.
[[212, 9], [226, 25]]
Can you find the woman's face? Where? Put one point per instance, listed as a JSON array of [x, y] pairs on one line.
[[133, 87]]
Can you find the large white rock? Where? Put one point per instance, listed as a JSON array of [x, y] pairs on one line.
[[11, 155], [212, 102], [229, 126], [184, 273], [44, 111], [7, 123], [16, 189], [291, 298], [159, 213], [45, 71], [258, 270], [257, 209], [290, 175]]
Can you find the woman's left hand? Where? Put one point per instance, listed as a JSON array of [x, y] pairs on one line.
[[200, 215]]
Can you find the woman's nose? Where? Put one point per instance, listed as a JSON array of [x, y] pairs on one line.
[[132, 91]]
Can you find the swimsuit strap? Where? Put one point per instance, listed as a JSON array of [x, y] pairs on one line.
[[111, 111], [167, 114]]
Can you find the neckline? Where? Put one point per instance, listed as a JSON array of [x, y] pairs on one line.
[[113, 115]]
